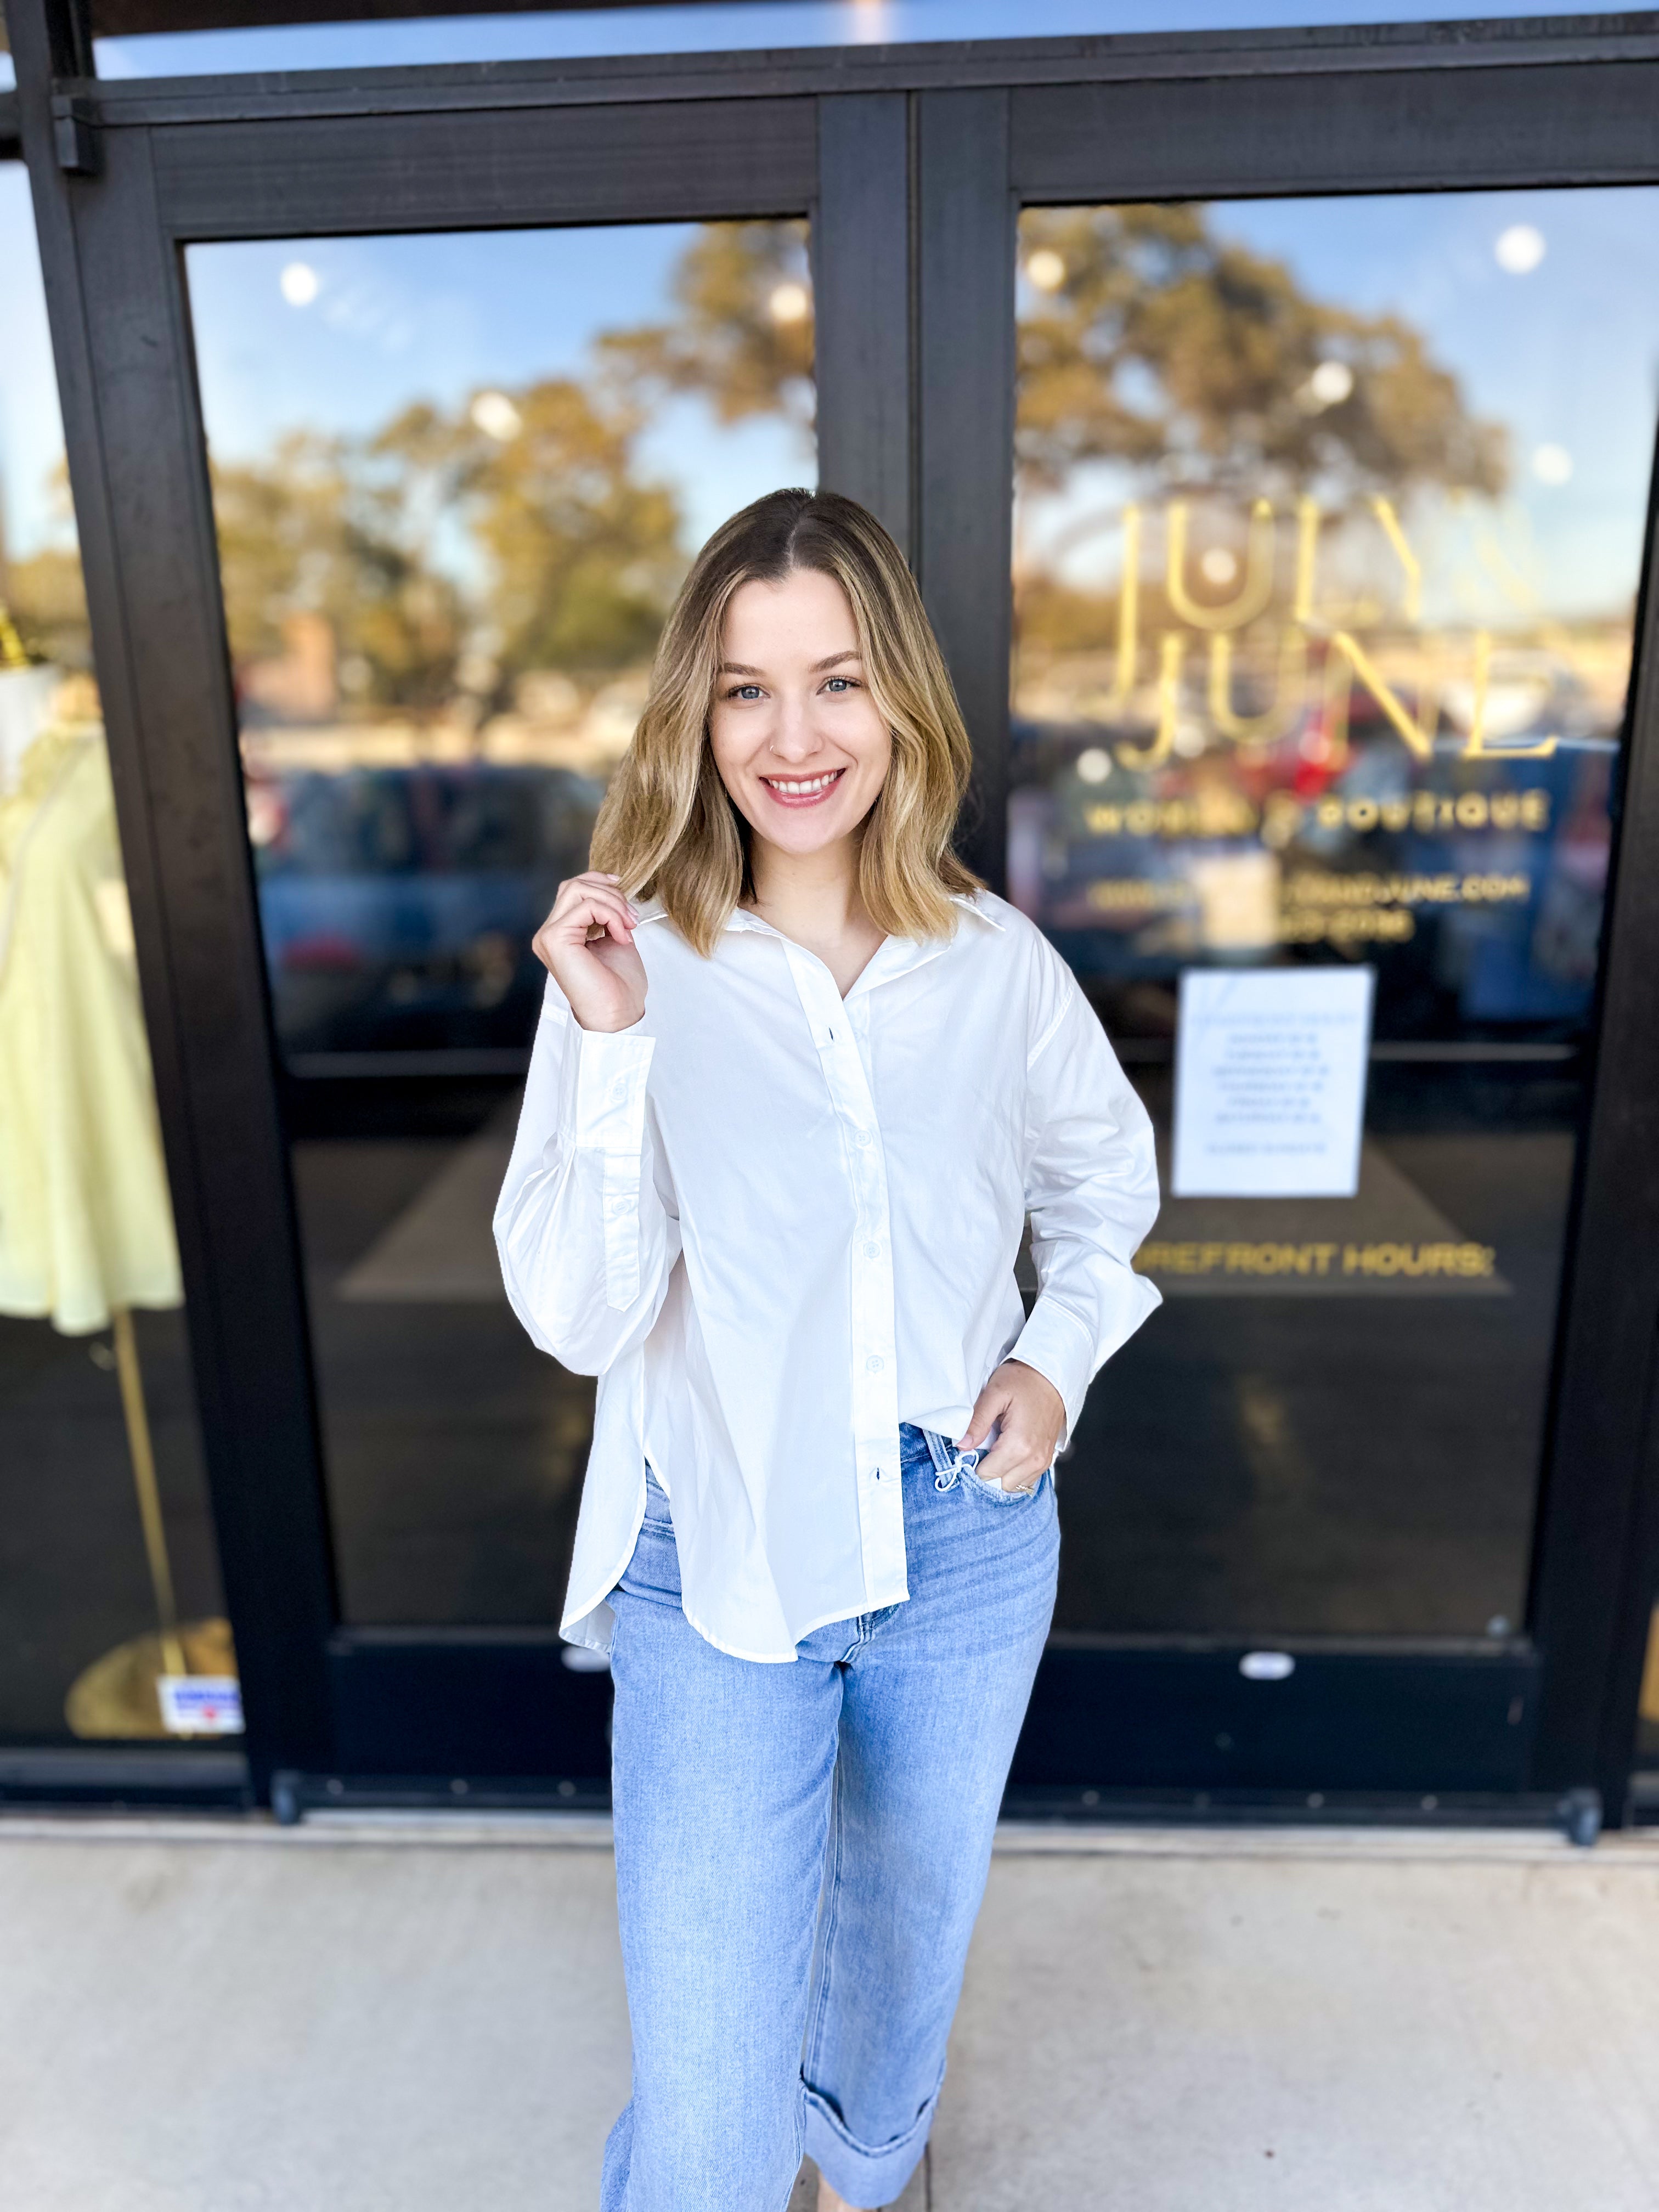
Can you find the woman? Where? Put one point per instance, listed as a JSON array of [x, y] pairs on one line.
[[785, 1120]]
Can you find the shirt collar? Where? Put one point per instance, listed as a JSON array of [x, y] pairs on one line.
[[971, 901]]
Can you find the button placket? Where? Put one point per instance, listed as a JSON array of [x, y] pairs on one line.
[[874, 1367]]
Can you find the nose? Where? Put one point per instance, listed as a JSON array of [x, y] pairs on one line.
[[793, 738]]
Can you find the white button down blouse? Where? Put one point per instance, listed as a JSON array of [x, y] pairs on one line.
[[775, 1223]]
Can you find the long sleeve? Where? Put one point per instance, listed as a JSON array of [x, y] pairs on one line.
[[1090, 1190], [585, 1239]]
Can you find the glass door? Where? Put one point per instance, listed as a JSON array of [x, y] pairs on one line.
[[1327, 538], [455, 480]]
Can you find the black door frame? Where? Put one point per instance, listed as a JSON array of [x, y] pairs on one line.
[[913, 163]]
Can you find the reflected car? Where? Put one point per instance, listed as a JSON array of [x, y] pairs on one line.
[[397, 905]]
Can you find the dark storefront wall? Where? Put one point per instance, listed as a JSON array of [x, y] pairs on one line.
[[1376, 1538]]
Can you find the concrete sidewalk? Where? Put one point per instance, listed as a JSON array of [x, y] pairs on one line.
[[369, 2017]]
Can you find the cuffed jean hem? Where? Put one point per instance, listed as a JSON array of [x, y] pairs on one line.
[[863, 2175]]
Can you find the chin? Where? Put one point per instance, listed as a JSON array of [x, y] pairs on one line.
[[810, 836]]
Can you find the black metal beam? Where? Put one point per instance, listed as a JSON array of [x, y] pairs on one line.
[[68, 26], [316, 177], [1577, 122], [862, 281], [171, 1777], [965, 371]]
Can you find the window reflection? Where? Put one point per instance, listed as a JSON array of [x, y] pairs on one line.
[[443, 586], [1329, 529], [1318, 650]]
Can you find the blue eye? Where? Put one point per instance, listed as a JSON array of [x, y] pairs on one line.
[[839, 683]]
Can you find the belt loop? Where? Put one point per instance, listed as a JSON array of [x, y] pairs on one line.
[[948, 1462], [943, 1456]]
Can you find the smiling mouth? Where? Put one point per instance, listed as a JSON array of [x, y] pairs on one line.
[[803, 790]]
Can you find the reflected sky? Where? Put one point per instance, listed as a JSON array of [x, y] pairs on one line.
[[719, 28], [727, 28]]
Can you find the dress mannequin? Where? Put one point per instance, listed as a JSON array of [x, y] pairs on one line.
[[85, 1225], [86, 1222]]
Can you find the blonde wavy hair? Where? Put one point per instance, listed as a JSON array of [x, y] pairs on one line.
[[668, 827]]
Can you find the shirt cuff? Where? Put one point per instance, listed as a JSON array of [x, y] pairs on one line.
[[1060, 1348], [604, 1108], [604, 1082]]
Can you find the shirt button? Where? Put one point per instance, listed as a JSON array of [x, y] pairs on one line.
[[873, 1251], [873, 1363], [861, 1136]]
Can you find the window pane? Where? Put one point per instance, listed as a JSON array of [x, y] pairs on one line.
[[107, 1571], [1329, 526], [457, 481]]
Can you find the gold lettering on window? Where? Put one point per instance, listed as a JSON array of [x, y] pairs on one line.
[[1253, 593], [1264, 728], [1169, 709]]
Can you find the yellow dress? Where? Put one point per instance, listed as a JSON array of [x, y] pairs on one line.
[[86, 1223]]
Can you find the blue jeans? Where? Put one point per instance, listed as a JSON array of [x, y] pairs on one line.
[[801, 1852]]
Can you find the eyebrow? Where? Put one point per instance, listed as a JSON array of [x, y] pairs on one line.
[[829, 660]]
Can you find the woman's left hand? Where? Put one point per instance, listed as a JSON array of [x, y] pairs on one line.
[[1032, 1415]]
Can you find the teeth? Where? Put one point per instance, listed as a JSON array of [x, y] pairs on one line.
[[801, 790]]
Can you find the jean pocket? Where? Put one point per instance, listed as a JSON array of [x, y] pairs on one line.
[[994, 1490]]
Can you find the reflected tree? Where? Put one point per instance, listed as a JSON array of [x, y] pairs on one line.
[[1207, 371], [326, 527], [1150, 340], [463, 548], [742, 338], [583, 552]]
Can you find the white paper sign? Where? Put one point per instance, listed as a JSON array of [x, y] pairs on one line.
[[1270, 1082], [200, 1705]]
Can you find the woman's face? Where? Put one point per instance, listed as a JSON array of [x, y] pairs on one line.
[[797, 738]]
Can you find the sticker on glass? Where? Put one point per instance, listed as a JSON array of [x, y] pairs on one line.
[[1270, 1082], [200, 1705]]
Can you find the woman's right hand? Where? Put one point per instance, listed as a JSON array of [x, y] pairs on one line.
[[587, 946]]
